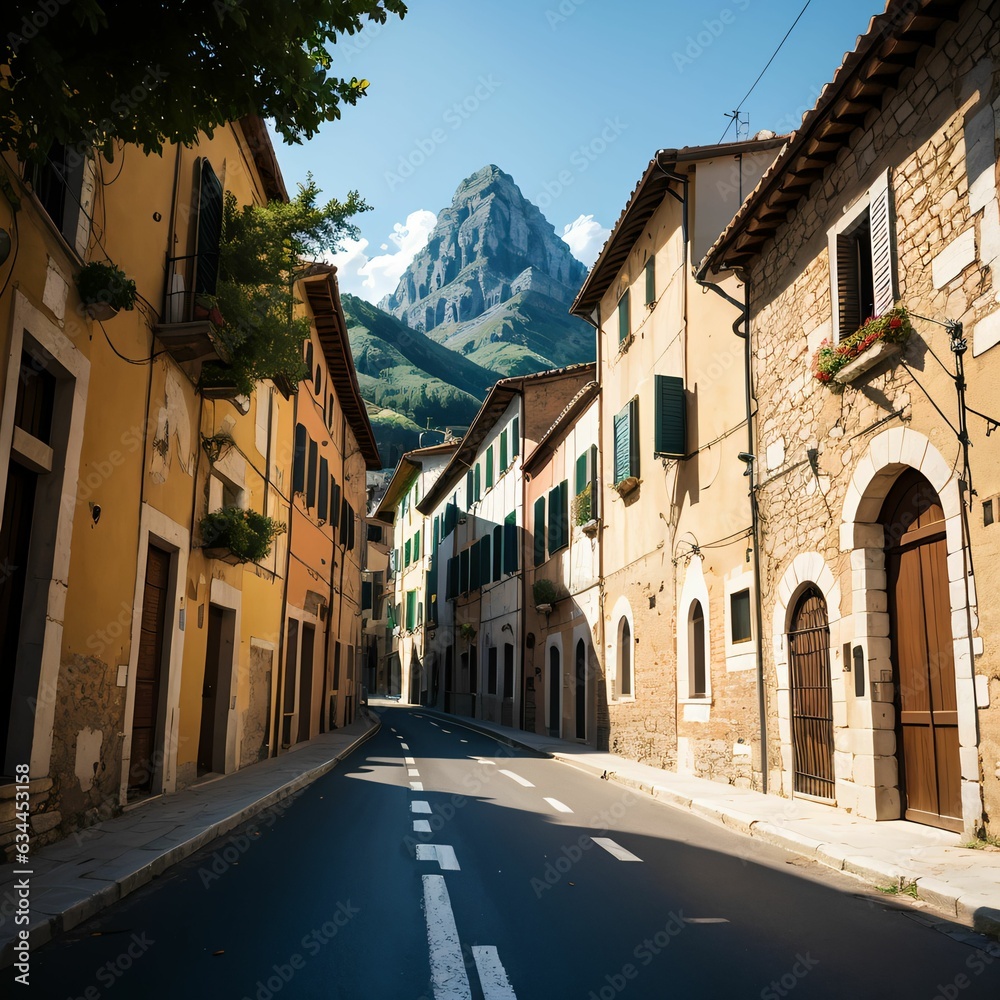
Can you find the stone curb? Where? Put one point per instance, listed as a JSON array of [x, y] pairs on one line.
[[45, 927], [977, 911]]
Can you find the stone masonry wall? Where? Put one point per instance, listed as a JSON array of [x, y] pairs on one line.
[[920, 135]]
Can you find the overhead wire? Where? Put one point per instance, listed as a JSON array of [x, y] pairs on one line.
[[735, 114]]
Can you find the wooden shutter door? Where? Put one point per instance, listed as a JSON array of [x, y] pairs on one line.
[[883, 259]]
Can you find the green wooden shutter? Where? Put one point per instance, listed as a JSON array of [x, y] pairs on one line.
[[209, 231], [417, 551], [311, 473], [594, 495], [437, 529], [323, 507], [515, 437], [581, 474], [478, 481], [564, 511], [503, 450], [539, 531], [489, 466], [555, 519], [622, 443], [650, 281], [498, 552], [485, 559], [411, 610], [474, 566], [633, 437], [510, 558], [469, 496], [406, 552], [671, 430], [624, 319], [299, 460]]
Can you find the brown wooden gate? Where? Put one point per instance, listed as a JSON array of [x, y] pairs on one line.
[[142, 765], [812, 699], [922, 655]]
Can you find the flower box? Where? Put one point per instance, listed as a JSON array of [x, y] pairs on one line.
[[628, 485], [881, 351]]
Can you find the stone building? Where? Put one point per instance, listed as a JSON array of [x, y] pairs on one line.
[[875, 474], [677, 640]]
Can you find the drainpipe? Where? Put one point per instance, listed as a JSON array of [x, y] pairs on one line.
[[754, 527]]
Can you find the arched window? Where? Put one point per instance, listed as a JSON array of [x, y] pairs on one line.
[[696, 652], [624, 658]]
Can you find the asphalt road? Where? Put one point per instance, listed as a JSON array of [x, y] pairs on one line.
[[438, 863]]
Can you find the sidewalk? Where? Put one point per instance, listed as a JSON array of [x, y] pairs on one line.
[[962, 883], [77, 877]]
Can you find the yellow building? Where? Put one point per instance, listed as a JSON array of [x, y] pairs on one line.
[[137, 655]]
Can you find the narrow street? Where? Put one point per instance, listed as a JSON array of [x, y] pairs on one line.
[[548, 883]]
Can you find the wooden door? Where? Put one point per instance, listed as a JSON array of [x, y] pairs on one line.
[[210, 691], [922, 655], [148, 668], [581, 690], [812, 698], [555, 686], [306, 681]]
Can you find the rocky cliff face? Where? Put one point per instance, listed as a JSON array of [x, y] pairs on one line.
[[490, 245]]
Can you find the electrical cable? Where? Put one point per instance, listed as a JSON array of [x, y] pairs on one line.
[[736, 112]]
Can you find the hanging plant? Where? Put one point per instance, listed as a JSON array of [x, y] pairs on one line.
[[544, 592], [891, 327], [247, 534], [104, 289]]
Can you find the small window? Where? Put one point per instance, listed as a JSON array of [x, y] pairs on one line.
[[670, 424], [510, 559], [311, 473], [624, 658], [411, 610], [650, 271], [318, 381], [515, 437], [539, 536], [299, 459], [624, 318], [417, 550], [696, 652], [491, 670], [498, 552], [739, 604], [503, 450], [406, 552], [489, 466], [477, 484], [558, 534], [323, 504]]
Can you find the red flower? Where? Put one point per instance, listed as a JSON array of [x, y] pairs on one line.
[[895, 323]]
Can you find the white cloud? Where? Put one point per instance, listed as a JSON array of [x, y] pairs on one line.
[[585, 238], [373, 277]]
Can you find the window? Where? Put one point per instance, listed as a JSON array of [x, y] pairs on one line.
[[508, 670], [503, 450], [696, 652], [335, 503], [485, 560], [209, 230], [437, 529], [318, 381], [329, 419], [474, 566], [624, 319], [539, 538], [311, 473], [739, 604], [489, 466], [585, 497], [323, 504], [510, 560], [417, 550], [469, 495], [64, 184], [366, 595], [374, 530], [406, 552], [669, 419], [451, 590], [345, 512], [450, 519], [299, 459], [477, 481], [498, 552], [515, 438], [627, 441], [491, 670], [558, 517], [411, 610], [650, 271], [862, 261], [624, 658], [463, 563]]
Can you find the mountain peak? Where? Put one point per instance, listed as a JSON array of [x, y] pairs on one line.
[[490, 244]]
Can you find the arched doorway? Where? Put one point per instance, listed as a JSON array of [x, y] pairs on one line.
[[581, 690], [923, 663], [812, 698], [555, 684]]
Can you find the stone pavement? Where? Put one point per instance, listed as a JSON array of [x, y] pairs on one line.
[[75, 878], [962, 883]]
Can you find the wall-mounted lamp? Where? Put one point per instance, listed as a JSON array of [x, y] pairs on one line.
[[745, 456]]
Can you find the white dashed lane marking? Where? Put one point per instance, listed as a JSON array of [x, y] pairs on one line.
[[559, 806], [517, 778], [417, 786], [421, 826], [409, 760], [443, 854], [615, 850], [448, 731], [463, 741], [404, 746], [413, 773], [492, 975], [420, 806], [448, 976]]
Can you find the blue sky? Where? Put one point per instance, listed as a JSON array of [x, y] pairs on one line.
[[570, 97]]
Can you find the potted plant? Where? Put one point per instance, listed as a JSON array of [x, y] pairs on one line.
[[545, 595], [246, 534], [876, 339], [467, 631], [207, 307], [104, 289]]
